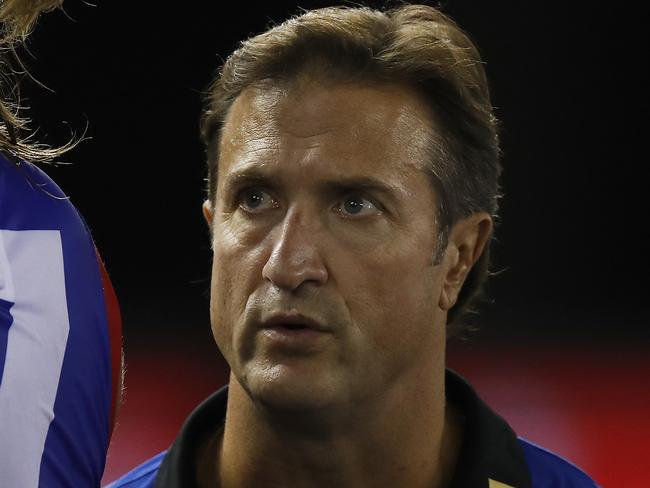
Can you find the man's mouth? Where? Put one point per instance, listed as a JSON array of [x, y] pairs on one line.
[[293, 321], [292, 326], [295, 332]]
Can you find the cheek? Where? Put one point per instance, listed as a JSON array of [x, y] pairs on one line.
[[220, 301], [236, 272], [234, 259], [394, 302]]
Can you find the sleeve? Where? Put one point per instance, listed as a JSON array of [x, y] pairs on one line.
[[60, 338], [548, 470]]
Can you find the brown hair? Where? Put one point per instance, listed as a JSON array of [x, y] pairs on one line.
[[17, 18], [412, 45]]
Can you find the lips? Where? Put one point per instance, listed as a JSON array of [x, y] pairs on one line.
[[293, 326], [293, 321]]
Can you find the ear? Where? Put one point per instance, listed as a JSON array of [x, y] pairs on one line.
[[467, 240], [207, 212]]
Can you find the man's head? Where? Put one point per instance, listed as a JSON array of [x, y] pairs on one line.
[[353, 167], [413, 46]]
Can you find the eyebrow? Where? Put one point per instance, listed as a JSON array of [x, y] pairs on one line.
[[254, 175], [360, 183], [246, 175]]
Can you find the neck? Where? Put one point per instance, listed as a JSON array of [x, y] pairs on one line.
[[409, 438]]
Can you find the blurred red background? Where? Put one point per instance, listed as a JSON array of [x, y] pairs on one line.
[[589, 403]]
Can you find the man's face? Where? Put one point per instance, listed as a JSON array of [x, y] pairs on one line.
[[323, 288]]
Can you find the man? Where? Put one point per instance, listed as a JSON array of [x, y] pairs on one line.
[[60, 329], [353, 171]]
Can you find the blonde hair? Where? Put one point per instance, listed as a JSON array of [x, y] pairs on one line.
[[19, 16], [17, 19]]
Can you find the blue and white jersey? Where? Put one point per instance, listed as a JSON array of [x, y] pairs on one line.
[[60, 338]]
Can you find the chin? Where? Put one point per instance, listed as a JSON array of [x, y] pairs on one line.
[[284, 388]]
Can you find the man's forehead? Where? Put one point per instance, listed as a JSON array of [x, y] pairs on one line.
[[344, 122], [305, 108]]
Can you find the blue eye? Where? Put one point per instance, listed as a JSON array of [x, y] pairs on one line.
[[357, 206], [254, 199]]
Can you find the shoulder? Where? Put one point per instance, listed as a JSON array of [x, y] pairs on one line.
[[31, 200], [141, 477], [25, 177], [548, 470]]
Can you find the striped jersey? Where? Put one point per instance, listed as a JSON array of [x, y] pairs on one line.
[[60, 338]]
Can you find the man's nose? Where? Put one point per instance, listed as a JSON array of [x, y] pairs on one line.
[[296, 258]]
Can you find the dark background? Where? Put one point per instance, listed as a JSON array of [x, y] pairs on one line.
[[569, 82], [569, 311]]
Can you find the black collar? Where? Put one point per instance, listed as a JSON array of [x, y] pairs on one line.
[[489, 450]]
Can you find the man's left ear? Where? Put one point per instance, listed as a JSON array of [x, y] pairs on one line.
[[467, 240]]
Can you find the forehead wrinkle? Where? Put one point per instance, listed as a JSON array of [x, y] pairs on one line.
[[248, 132], [288, 130]]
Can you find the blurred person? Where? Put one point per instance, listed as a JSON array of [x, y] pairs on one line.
[[60, 329], [353, 169]]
